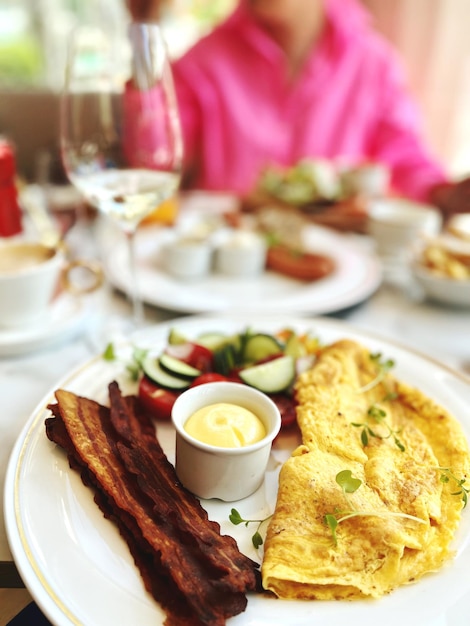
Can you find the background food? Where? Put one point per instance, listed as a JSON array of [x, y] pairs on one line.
[[447, 256]]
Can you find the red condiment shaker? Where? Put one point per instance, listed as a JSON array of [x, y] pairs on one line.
[[10, 211]]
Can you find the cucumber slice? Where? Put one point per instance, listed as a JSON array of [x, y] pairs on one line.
[[179, 368], [152, 368], [225, 359], [175, 337], [242, 338], [294, 346], [212, 341], [271, 377], [260, 346]]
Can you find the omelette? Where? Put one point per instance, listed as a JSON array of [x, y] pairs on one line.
[[407, 457]]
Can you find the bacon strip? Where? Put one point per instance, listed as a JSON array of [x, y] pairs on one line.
[[198, 575]]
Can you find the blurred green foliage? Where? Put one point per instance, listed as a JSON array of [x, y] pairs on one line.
[[21, 62], [210, 11]]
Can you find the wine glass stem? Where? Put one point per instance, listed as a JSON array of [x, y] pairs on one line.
[[137, 306]]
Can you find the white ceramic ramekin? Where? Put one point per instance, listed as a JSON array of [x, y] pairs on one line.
[[187, 258], [240, 254], [226, 473]]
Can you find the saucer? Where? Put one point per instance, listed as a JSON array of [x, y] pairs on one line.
[[65, 318]]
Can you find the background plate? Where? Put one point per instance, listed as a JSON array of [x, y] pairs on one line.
[[357, 276]]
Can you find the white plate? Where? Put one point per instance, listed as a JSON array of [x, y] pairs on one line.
[[65, 317], [357, 275], [79, 570]]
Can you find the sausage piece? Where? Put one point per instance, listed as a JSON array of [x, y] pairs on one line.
[[300, 265]]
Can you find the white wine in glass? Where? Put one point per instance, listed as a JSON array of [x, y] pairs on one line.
[[121, 141]]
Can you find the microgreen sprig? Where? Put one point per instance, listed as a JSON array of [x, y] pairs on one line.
[[383, 365], [447, 475], [134, 367], [349, 484], [109, 353], [256, 539], [379, 415]]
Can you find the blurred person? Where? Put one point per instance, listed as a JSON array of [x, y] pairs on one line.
[[283, 80]]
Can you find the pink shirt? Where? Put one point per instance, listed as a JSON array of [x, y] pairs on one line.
[[350, 103]]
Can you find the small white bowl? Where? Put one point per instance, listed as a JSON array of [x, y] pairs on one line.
[[226, 473], [459, 225], [240, 253], [442, 289], [437, 268]]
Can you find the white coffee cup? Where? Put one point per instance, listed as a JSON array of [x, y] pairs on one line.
[[30, 275], [396, 223]]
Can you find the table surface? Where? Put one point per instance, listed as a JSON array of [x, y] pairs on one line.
[[397, 311]]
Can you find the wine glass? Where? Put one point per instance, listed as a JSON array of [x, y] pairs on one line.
[[121, 141]]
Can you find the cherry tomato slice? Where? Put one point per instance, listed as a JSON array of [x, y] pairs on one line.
[[286, 406], [208, 377], [193, 354], [234, 377], [156, 401]]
